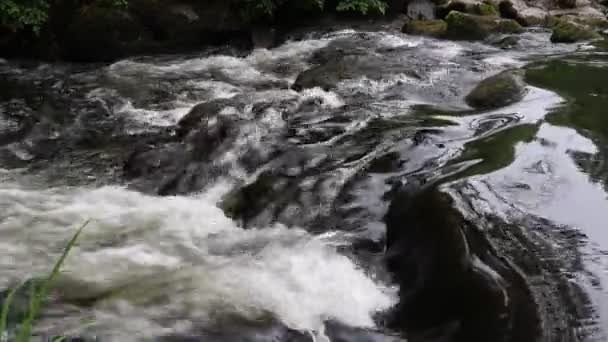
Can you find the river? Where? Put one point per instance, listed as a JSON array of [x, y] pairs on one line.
[[263, 218]]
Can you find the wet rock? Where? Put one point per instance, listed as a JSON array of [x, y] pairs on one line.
[[103, 34], [569, 32], [178, 23], [486, 8], [201, 114], [16, 119], [428, 251], [507, 10], [476, 27], [459, 6], [327, 76], [507, 42], [247, 202], [390, 162], [148, 161], [431, 28], [497, 91], [212, 137], [566, 3]]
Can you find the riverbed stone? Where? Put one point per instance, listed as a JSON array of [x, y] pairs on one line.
[[431, 28], [464, 26], [569, 32], [497, 91]]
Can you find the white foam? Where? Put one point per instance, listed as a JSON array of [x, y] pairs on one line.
[[155, 117], [288, 51], [180, 257], [394, 41], [328, 98]]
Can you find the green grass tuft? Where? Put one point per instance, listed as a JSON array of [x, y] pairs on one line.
[[38, 294]]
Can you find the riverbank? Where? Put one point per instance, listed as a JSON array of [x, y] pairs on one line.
[[102, 31]]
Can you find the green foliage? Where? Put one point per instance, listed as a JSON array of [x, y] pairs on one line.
[[38, 293], [18, 14], [261, 9], [362, 6]]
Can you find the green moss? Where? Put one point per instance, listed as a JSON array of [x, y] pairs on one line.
[[495, 151], [586, 89], [476, 27], [497, 91], [567, 32], [509, 26], [487, 9], [432, 28]]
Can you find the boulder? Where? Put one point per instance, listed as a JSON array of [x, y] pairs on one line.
[[429, 252], [569, 32], [497, 91], [431, 28], [475, 27], [328, 75], [566, 3], [487, 8], [103, 34], [200, 114]]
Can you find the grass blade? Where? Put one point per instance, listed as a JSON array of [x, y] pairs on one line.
[[6, 307], [39, 296]]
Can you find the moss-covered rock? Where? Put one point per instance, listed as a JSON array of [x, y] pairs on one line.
[[497, 91], [431, 28], [476, 27], [487, 8], [568, 32]]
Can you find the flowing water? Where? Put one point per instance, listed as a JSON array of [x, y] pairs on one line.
[[263, 218]]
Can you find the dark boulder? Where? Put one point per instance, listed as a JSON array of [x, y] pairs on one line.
[[431, 28], [566, 3], [497, 91], [327, 76], [429, 253], [200, 114], [103, 34], [477, 27], [184, 24]]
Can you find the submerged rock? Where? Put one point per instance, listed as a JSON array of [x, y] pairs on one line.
[[431, 28], [327, 76], [476, 27], [497, 91]]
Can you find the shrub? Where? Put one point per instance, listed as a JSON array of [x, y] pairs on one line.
[[18, 14]]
